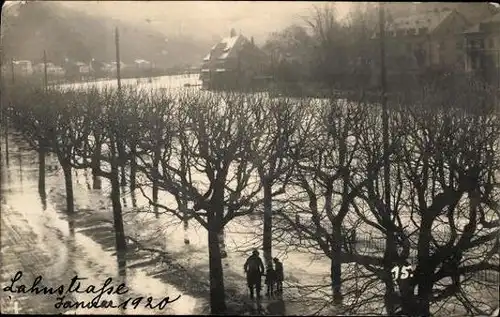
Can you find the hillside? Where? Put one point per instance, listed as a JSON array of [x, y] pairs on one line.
[[30, 28]]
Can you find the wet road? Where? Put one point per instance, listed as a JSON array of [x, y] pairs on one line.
[[42, 241]]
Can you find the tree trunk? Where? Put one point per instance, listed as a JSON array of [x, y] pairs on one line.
[[425, 270], [390, 258], [133, 168], [186, 227], [156, 167], [336, 265], [134, 199], [20, 160], [121, 244], [41, 170], [268, 223], [409, 302], [96, 181], [68, 181], [117, 211], [222, 243], [217, 293], [7, 142], [123, 162]]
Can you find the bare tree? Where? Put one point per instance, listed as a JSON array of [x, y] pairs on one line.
[[330, 42], [451, 164], [28, 114], [103, 112], [442, 221], [65, 133], [278, 121], [327, 180], [207, 162]]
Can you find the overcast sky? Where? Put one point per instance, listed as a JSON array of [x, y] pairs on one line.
[[205, 18]]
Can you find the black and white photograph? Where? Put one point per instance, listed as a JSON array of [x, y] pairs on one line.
[[246, 158]]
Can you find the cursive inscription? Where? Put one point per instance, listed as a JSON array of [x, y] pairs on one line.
[[75, 286]]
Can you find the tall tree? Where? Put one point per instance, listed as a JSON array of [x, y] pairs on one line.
[[326, 182], [279, 121], [207, 161]]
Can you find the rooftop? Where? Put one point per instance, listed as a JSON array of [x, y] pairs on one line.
[[477, 28], [430, 20], [224, 48]]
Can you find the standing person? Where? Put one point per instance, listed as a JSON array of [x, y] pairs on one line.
[[254, 268], [278, 268], [270, 279]]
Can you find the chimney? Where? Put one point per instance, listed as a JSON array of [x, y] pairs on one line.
[[233, 33], [251, 40]]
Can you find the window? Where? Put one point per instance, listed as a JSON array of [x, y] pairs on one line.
[[491, 43], [411, 31], [481, 44]]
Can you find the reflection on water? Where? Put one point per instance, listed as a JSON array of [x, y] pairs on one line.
[[38, 238], [43, 199]]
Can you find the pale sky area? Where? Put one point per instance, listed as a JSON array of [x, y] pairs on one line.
[[205, 18]]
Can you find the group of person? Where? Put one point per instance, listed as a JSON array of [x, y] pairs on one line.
[[254, 269]]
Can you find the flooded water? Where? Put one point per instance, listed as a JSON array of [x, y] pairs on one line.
[[162, 82], [40, 240]]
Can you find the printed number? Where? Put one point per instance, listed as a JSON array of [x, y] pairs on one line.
[[401, 273]]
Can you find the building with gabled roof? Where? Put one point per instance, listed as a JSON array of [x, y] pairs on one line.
[[483, 49], [426, 40], [233, 62]]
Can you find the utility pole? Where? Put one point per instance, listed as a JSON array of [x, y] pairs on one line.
[[118, 63], [45, 78], [12, 71], [390, 253], [498, 69], [151, 71], [385, 114]]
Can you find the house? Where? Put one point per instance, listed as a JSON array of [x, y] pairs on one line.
[[96, 66], [52, 69], [419, 46], [473, 12], [431, 40], [23, 67], [483, 49], [40, 67], [112, 67], [142, 64], [83, 68], [77, 68], [234, 62]]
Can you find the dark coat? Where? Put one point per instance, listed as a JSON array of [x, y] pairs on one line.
[[279, 271], [270, 276]]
